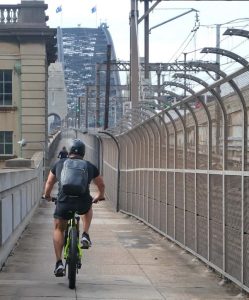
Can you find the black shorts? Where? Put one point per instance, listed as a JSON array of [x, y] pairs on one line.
[[65, 210]]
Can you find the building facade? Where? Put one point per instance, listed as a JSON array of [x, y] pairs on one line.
[[27, 47], [57, 97]]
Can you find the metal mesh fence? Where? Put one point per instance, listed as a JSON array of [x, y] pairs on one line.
[[185, 173]]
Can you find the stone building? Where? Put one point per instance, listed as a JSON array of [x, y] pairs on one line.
[[57, 97], [27, 47]]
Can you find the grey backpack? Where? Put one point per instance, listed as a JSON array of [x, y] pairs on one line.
[[74, 177]]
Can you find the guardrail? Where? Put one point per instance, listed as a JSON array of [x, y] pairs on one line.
[[184, 171], [20, 193], [21, 187]]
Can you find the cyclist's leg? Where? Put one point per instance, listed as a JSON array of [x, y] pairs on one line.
[[86, 220], [61, 215], [84, 209], [60, 226], [86, 213]]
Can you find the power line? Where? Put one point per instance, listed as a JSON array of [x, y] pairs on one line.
[[194, 31]]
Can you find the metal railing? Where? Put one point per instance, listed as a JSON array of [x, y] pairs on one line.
[[184, 171]]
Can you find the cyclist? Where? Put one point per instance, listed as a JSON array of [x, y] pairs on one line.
[[63, 153], [66, 204]]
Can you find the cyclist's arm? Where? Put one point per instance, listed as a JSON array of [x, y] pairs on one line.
[[49, 186], [99, 182]]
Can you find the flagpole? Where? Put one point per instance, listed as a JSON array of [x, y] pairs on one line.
[[96, 3], [61, 18]]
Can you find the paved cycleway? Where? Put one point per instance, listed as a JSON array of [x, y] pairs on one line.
[[127, 261]]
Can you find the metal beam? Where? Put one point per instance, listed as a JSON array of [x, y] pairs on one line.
[[209, 67], [134, 56], [196, 66], [237, 32], [227, 53], [191, 77], [172, 19], [148, 11], [182, 86]]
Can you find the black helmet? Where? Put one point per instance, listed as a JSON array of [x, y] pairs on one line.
[[77, 147]]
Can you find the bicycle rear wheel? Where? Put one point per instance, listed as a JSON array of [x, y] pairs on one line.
[[72, 259]]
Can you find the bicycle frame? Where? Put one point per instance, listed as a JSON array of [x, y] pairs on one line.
[[72, 250]]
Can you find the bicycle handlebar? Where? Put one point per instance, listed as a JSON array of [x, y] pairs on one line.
[[96, 201], [54, 199]]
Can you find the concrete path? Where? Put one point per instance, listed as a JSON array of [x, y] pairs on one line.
[[127, 261]]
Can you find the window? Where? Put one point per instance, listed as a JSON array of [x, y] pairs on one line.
[[5, 87], [6, 142]]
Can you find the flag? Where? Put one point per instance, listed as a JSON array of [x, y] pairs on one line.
[[94, 9], [59, 9]]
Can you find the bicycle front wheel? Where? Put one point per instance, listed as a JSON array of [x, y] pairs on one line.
[[72, 259]]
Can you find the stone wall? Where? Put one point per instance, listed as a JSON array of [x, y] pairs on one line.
[[20, 193]]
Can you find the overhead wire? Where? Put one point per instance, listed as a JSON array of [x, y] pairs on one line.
[[186, 42], [230, 63], [226, 27], [193, 34]]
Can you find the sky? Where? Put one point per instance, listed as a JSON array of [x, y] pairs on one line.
[[187, 34], [166, 39]]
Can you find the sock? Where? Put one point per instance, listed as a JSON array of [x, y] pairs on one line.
[[84, 233], [58, 261]]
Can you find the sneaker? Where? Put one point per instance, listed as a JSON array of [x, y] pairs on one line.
[[85, 241], [59, 269]]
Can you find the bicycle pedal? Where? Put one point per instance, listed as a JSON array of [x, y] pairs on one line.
[[85, 246], [61, 274]]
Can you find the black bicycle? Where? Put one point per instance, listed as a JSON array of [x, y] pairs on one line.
[[72, 250]]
